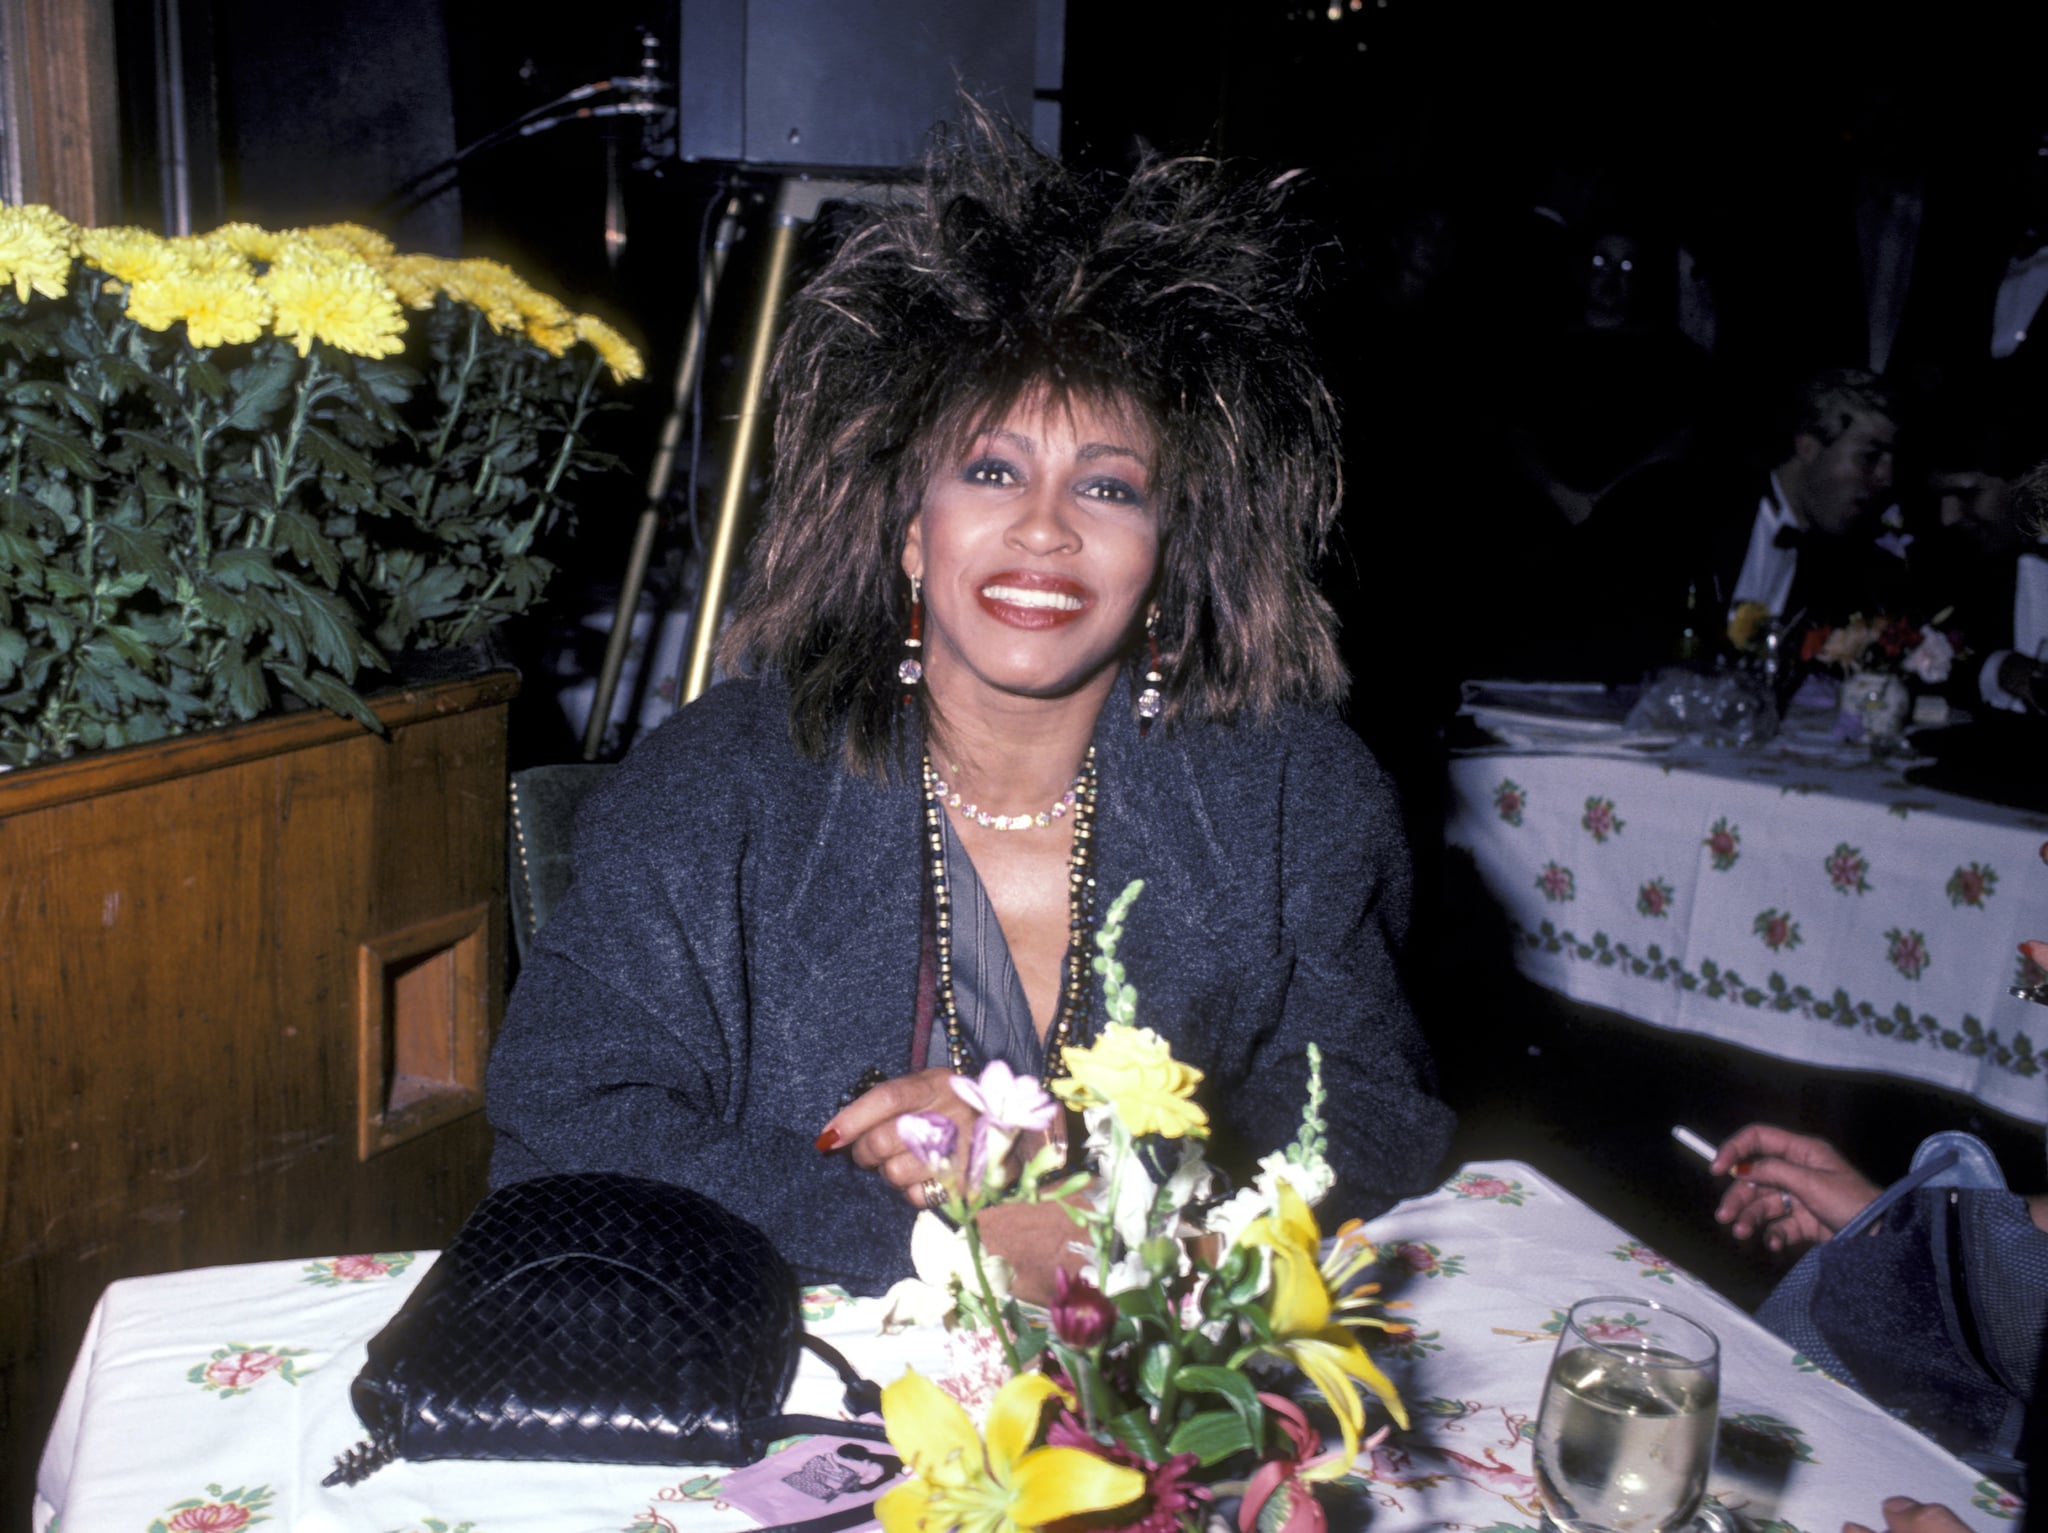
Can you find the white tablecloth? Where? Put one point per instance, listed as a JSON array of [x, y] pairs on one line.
[[1837, 916], [205, 1400]]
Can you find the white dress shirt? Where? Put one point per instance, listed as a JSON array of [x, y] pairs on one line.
[[1767, 570]]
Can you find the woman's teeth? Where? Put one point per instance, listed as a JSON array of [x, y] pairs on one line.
[[1023, 596]]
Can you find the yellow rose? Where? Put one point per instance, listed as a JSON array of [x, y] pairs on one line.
[[1132, 1070]]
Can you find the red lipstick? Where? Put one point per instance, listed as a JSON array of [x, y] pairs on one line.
[[1033, 599]]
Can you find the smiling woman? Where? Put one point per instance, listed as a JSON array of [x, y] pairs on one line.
[[1031, 614]]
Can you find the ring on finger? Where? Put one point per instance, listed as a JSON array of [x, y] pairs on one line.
[[1785, 1198], [932, 1191]]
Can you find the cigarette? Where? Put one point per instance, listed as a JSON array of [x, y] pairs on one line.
[[1694, 1143]]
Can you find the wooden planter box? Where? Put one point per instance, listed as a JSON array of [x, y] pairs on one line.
[[248, 980]]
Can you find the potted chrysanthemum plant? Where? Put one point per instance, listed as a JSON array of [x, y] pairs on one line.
[[245, 466], [239, 472], [1157, 1380]]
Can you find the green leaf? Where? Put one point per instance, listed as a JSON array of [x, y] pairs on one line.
[[58, 624], [160, 450], [142, 552], [206, 378], [391, 383], [62, 449], [328, 693], [1154, 1370], [244, 677], [1230, 1383], [240, 568], [259, 389], [44, 391], [1134, 1430], [1212, 1437], [312, 547], [122, 375], [13, 651], [235, 618], [333, 456], [330, 629]]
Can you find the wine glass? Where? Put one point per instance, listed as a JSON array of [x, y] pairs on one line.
[[1626, 1431]]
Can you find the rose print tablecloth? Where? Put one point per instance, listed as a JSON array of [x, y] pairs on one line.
[[1835, 915], [206, 1402]]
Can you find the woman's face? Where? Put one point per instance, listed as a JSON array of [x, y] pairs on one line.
[[1037, 544]]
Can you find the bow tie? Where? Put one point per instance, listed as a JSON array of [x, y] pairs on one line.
[[1794, 538]]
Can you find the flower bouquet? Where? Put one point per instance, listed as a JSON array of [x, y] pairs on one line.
[[1880, 659], [247, 464], [1153, 1384]]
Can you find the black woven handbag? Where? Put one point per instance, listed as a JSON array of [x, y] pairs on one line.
[[594, 1318]]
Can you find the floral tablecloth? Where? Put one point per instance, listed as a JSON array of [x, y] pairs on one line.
[[1832, 914], [210, 1401]]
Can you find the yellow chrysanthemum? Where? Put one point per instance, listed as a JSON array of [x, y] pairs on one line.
[[550, 324], [320, 294], [251, 240], [490, 286], [210, 255], [618, 352], [128, 255], [961, 1485], [352, 238], [1324, 1348], [35, 251], [1132, 1071], [220, 305], [417, 279]]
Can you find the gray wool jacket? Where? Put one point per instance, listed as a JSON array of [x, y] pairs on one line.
[[741, 941]]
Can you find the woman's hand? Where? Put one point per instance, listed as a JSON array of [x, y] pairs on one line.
[[866, 1129], [1902, 1514], [1035, 1239], [1794, 1188]]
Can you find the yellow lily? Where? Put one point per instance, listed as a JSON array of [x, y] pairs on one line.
[[1300, 1307], [962, 1485]]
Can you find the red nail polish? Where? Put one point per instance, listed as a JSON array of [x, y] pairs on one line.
[[828, 1141], [1741, 1168]]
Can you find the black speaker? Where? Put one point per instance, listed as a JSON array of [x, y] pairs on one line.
[[859, 84]]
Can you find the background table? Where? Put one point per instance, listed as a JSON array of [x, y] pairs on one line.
[[1830, 914], [202, 1400]]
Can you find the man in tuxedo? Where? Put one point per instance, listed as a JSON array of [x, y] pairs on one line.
[[1811, 546], [1691, 539]]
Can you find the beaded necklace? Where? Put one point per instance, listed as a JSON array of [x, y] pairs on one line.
[[1071, 1020]]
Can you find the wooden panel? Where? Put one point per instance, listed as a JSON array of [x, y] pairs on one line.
[[64, 97], [179, 950]]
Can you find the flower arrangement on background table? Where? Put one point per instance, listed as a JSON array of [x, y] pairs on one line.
[[1136, 1399], [251, 463]]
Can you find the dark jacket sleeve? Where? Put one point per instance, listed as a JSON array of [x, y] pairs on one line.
[[629, 1046], [1345, 894]]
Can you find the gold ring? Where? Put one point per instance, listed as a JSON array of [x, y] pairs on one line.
[[933, 1191]]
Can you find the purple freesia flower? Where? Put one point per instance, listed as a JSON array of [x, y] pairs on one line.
[[930, 1136], [1011, 1101]]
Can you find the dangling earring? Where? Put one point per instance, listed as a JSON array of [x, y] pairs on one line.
[[910, 670], [1149, 701]]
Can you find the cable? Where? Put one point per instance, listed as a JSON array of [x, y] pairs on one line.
[[419, 188]]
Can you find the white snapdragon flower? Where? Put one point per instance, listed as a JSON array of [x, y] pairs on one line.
[[943, 1262]]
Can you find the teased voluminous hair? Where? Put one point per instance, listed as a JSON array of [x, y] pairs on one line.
[[1001, 275]]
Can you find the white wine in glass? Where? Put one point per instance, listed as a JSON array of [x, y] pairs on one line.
[[1626, 1431]]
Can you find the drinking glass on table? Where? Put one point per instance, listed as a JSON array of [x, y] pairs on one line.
[[1626, 1431]]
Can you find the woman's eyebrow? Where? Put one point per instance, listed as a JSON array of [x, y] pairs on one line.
[[1090, 451]]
